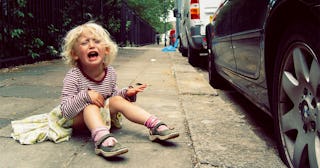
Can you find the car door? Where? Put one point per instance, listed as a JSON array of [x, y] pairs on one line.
[[247, 22], [223, 56]]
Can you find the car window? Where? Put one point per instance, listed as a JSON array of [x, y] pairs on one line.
[[223, 20], [248, 14]]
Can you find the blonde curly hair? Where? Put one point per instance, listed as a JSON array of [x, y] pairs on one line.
[[99, 33]]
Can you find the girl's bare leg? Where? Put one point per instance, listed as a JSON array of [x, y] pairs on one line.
[[131, 111], [90, 117], [158, 130], [78, 122]]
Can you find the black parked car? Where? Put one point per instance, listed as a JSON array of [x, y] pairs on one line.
[[269, 50]]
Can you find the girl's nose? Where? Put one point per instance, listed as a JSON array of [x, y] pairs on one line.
[[91, 44]]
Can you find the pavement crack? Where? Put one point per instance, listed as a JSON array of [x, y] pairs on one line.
[[211, 165], [199, 94], [73, 157], [194, 156]]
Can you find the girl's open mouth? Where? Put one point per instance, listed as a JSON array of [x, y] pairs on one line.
[[93, 55]]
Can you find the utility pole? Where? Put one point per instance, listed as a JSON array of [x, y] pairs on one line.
[[165, 22]]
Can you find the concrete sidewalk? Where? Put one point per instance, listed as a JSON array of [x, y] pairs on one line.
[[177, 93], [35, 89]]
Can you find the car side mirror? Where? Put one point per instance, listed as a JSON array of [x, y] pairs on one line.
[[176, 14]]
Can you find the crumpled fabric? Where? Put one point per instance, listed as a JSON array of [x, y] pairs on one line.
[[50, 126], [171, 48]]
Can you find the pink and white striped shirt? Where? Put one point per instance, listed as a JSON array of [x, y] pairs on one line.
[[75, 95]]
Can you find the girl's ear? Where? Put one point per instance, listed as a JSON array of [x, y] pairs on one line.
[[107, 51], [74, 55]]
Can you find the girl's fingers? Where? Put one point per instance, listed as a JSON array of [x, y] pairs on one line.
[[100, 101], [100, 104], [140, 90], [142, 87], [96, 98]]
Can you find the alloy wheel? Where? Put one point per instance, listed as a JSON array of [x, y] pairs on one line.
[[299, 104]]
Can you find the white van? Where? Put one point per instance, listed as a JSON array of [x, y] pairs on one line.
[[192, 18]]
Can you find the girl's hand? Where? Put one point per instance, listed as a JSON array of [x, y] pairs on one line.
[[135, 90], [96, 98]]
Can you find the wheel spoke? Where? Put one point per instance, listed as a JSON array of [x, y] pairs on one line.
[[314, 75], [291, 121], [300, 65], [314, 151], [290, 84], [299, 146]]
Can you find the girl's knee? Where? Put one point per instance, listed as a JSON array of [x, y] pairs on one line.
[[118, 104], [91, 107], [117, 99]]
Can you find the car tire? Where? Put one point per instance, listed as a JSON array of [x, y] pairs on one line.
[[193, 56], [182, 49], [296, 96]]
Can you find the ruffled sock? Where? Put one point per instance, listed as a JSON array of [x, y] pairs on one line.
[[99, 132], [152, 121]]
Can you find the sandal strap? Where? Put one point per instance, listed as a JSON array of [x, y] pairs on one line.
[[102, 139], [154, 129]]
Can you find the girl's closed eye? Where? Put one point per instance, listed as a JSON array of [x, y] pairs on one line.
[[96, 41], [84, 42]]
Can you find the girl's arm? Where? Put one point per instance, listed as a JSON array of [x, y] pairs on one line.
[[120, 92], [123, 93], [73, 100]]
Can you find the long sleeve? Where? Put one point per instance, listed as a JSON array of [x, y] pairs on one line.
[[122, 92], [74, 99]]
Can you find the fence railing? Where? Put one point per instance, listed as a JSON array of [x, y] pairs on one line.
[[24, 26], [135, 30], [49, 14]]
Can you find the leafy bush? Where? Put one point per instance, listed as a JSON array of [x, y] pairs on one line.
[[19, 38]]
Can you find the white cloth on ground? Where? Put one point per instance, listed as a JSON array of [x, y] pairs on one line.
[[50, 126]]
